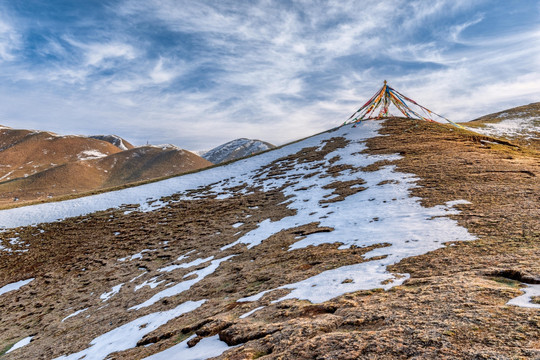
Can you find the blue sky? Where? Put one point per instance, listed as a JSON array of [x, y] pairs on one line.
[[199, 73]]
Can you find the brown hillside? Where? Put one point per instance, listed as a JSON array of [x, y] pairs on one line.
[[453, 306], [38, 165], [530, 110], [148, 162], [25, 152], [82, 176], [526, 120], [69, 178]]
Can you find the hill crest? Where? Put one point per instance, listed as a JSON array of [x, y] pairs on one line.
[[521, 124]]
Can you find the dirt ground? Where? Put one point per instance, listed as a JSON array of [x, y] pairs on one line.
[[452, 307]]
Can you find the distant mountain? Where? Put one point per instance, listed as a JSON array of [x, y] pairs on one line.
[[236, 149], [37, 165], [115, 140], [149, 162], [521, 123], [27, 152]]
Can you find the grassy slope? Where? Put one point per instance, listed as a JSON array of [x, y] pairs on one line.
[[48, 168], [529, 110]]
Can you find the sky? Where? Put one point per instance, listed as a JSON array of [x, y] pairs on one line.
[[197, 74]]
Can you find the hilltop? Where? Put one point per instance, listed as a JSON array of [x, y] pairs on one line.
[[393, 239], [520, 124], [39, 165]]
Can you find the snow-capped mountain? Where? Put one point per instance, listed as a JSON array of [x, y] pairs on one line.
[[236, 149]]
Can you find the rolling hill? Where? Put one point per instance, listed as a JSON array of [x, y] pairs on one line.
[[521, 124], [37, 165], [393, 239]]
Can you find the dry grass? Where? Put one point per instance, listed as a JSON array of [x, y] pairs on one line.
[[41, 167], [452, 307]]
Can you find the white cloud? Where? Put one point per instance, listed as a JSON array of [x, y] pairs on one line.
[[9, 41], [70, 75], [456, 30], [97, 54], [417, 52], [162, 73]]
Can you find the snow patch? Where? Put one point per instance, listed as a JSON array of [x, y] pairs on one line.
[[107, 295], [14, 286], [208, 347], [524, 300], [20, 344], [152, 283], [243, 316], [186, 265], [138, 255], [6, 175], [511, 127], [90, 155], [183, 286], [74, 314], [182, 257], [126, 336], [255, 297]]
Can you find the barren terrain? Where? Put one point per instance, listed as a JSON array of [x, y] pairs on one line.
[[40, 165], [450, 303], [520, 124]]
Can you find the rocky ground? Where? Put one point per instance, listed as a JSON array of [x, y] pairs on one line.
[[453, 306]]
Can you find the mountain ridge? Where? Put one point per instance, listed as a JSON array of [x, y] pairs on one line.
[[37, 165]]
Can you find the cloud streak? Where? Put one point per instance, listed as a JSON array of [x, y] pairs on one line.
[[9, 41]]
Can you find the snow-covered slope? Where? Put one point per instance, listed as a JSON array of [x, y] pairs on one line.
[[365, 209], [521, 123], [236, 149]]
